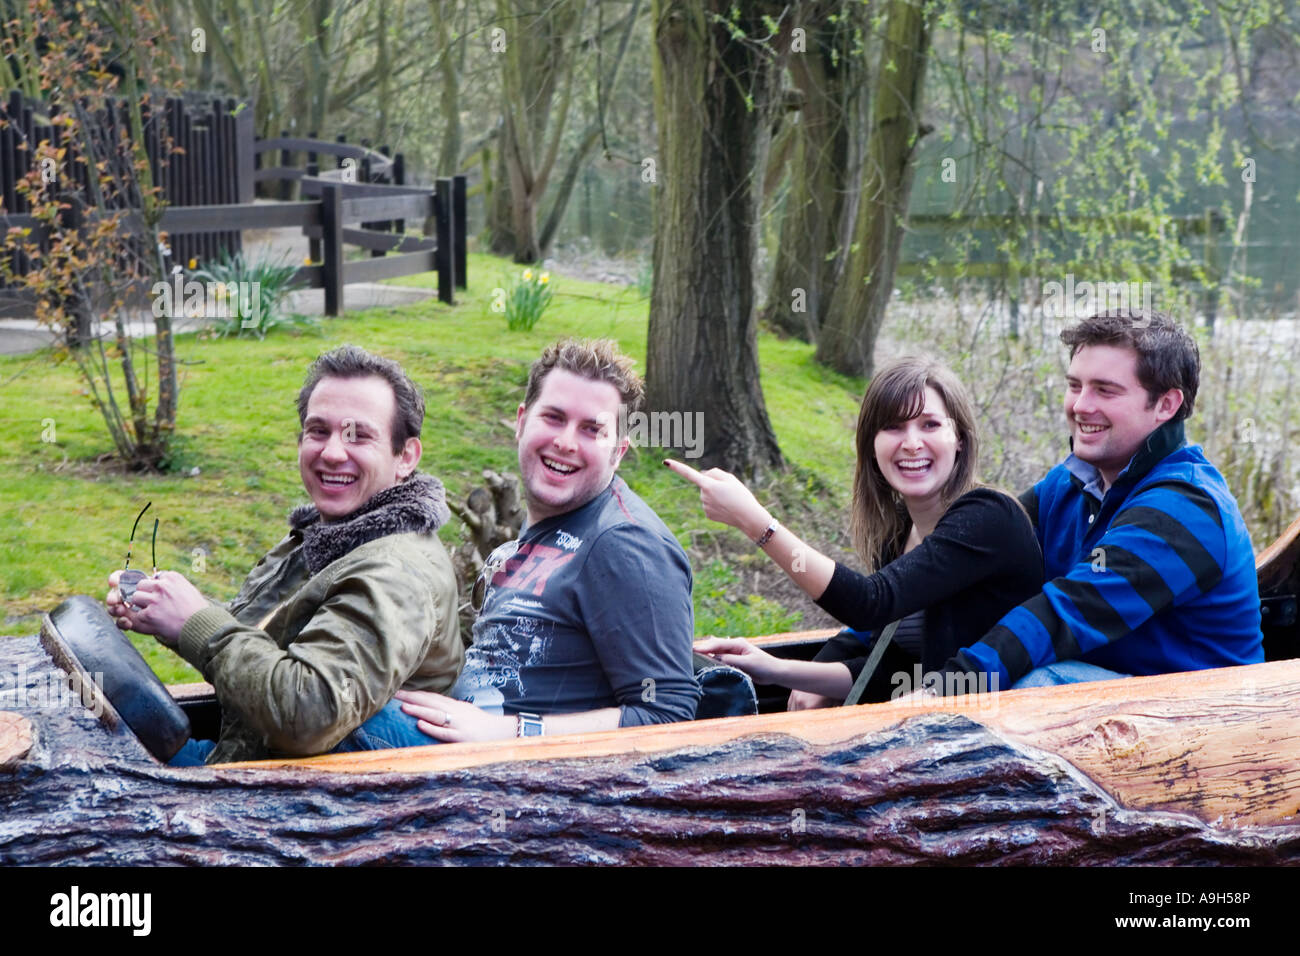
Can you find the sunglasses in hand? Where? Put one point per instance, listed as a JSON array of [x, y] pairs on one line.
[[130, 578]]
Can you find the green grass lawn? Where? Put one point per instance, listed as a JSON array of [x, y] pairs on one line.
[[67, 517]]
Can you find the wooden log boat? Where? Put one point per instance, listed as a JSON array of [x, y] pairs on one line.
[[1191, 768]]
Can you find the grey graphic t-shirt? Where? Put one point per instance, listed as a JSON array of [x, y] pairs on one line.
[[592, 609]]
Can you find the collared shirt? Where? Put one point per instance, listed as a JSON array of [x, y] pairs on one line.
[[1089, 476]]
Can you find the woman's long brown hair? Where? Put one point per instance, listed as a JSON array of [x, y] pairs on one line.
[[879, 522]]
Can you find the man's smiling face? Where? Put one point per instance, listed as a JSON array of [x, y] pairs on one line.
[[345, 453], [1108, 410], [567, 455]]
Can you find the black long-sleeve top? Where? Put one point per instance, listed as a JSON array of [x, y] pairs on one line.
[[981, 560]]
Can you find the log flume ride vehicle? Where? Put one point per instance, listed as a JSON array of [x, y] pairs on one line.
[[1195, 768]]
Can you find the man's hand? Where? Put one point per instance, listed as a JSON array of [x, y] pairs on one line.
[[119, 609], [160, 606], [454, 721], [742, 655], [726, 499]]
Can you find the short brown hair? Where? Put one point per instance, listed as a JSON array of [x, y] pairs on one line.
[[597, 359], [352, 361], [897, 394], [1167, 357]]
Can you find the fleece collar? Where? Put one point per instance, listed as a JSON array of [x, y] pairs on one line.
[[417, 504]]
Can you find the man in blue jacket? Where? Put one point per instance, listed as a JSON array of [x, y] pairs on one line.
[[1149, 565]]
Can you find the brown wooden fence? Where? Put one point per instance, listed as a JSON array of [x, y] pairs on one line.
[[209, 178], [337, 218], [196, 156], [329, 219]]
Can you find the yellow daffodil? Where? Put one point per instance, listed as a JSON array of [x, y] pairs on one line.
[[306, 260], [546, 277], [194, 263], [528, 274]]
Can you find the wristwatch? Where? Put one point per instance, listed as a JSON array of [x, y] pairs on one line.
[[528, 725], [766, 536]]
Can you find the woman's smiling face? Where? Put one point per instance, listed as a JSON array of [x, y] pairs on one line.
[[917, 456]]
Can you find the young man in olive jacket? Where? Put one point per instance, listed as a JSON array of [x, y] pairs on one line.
[[356, 603]]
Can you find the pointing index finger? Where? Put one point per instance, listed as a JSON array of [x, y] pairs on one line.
[[686, 471]]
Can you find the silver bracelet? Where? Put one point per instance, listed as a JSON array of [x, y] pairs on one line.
[[766, 536]]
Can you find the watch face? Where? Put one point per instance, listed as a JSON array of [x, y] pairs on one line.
[[532, 724]]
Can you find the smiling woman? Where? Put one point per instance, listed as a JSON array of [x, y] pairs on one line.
[[950, 558], [917, 456]]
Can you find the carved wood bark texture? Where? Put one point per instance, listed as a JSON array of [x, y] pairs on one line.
[[936, 789]]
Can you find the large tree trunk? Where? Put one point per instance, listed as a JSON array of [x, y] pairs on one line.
[[316, 34], [848, 338], [711, 99], [524, 193], [384, 63], [810, 255]]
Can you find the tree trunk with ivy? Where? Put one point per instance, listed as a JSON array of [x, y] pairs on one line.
[[857, 309], [450, 70], [713, 84]]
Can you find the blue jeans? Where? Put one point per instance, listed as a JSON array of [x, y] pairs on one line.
[[1065, 672], [193, 754], [387, 729]]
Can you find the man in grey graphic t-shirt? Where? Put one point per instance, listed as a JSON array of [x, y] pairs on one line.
[[587, 622]]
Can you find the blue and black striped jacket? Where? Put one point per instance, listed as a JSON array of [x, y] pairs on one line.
[[1156, 576]]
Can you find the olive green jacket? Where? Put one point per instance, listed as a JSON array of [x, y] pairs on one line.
[[335, 619]]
